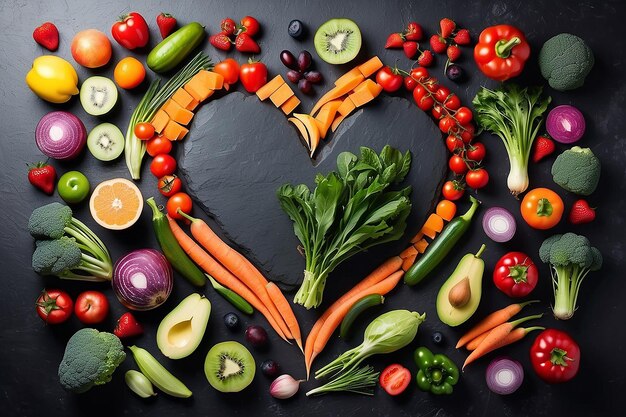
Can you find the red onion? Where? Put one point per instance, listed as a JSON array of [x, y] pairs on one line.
[[60, 135], [504, 375], [499, 224], [566, 124], [143, 279]]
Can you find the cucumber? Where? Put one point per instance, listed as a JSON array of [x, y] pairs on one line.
[[158, 375], [356, 310], [173, 49], [232, 297]]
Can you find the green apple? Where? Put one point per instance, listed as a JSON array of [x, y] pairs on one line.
[[73, 187]]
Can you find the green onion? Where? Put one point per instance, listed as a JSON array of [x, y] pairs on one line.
[[359, 381]]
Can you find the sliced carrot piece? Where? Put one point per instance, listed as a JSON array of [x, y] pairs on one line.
[[326, 115], [417, 237], [272, 85], [314, 134], [300, 126], [408, 262], [410, 251], [281, 95], [429, 232], [369, 67], [367, 91], [434, 222], [290, 105], [177, 113], [173, 130], [337, 92], [160, 120], [421, 245], [446, 209], [346, 107], [193, 104], [183, 98], [349, 77]]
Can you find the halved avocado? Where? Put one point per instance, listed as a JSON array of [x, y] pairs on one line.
[[181, 331]]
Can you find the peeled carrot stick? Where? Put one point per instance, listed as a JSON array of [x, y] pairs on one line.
[[473, 344], [221, 274], [494, 319], [281, 303]]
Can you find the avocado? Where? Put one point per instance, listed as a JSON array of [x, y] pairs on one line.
[[459, 296], [181, 331]]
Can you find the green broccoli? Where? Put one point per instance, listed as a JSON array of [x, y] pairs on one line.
[[70, 249], [90, 359], [571, 258], [565, 60], [577, 170]]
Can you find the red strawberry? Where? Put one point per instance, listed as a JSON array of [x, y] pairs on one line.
[[413, 32], [454, 52], [228, 26], [447, 26], [47, 35], [542, 147], [394, 41], [425, 59], [220, 41], [438, 44], [166, 23], [42, 176], [244, 43], [581, 213], [462, 37], [127, 326], [410, 49]]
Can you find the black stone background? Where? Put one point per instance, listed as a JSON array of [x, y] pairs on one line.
[[30, 351]]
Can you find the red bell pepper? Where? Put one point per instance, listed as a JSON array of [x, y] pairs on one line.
[[515, 274], [555, 356], [501, 52], [131, 31]]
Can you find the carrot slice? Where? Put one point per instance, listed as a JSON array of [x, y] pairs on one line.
[[446, 209]]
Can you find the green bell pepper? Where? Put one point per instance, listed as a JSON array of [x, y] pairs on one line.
[[437, 373]]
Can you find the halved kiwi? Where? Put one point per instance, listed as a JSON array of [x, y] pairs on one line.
[[229, 367], [105, 142], [338, 41], [98, 95]]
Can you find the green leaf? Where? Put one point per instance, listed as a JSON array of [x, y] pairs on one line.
[[345, 162], [369, 157]]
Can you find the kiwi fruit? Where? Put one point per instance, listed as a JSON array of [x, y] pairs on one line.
[[98, 95], [338, 41], [105, 142], [229, 367]]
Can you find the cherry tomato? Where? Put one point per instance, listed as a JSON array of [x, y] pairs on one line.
[[453, 190], [457, 165], [169, 185], [467, 132], [438, 111], [452, 102], [432, 85], [229, 69], [180, 201], [419, 73], [476, 152], [54, 306], [162, 165], [454, 143], [157, 145], [251, 25], [442, 94], [389, 79], [394, 379], [477, 178], [253, 75], [542, 208], [409, 83], [447, 124], [91, 307], [418, 93], [144, 131], [426, 103], [463, 115]]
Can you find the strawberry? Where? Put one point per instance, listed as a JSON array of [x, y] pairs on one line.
[[244, 43], [127, 326], [462, 37], [166, 23], [425, 59], [438, 44], [410, 49], [220, 41], [228, 26], [47, 35], [42, 176], [447, 26], [394, 41], [581, 213], [542, 147], [413, 32], [454, 52]]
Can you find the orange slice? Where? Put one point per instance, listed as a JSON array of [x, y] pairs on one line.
[[116, 204]]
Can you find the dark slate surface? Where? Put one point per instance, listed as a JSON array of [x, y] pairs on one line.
[[30, 352]]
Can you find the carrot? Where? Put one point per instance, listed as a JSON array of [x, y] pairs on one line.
[[473, 344], [408, 252], [494, 319], [217, 271], [497, 338], [285, 310], [446, 209], [408, 262], [417, 237]]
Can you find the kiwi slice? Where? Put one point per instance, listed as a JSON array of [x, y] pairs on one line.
[[98, 95], [338, 41], [229, 367], [105, 142]]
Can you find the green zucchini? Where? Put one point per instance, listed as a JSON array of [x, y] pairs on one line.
[[158, 375], [356, 310], [232, 297], [441, 246], [173, 49]]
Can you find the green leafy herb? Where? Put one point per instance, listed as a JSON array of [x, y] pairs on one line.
[[359, 381]]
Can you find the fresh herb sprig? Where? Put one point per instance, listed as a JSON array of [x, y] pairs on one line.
[[358, 380]]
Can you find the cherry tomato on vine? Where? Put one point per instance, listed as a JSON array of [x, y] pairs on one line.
[[54, 306], [454, 143], [169, 185], [389, 79], [467, 132], [91, 307], [463, 115], [409, 83], [453, 190], [418, 93], [477, 178], [457, 165], [452, 102], [419, 73], [144, 131], [442, 94], [251, 25], [448, 125], [180, 201], [432, 85], [426, 103], [476, 152], [162, 165], [157, 145], [438, 111]]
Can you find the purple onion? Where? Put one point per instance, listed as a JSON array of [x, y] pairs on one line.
[[143, 279], [566, 124], [499, 224], [504, 376], [60, 135]]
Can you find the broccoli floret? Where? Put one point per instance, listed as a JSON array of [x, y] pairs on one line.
[[577, 170], [56, 257], [565, 60], [90, 359], [571, 258], [50, 221]]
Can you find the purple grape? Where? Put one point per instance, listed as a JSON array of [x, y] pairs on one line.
[[288, 60], [294, 76], [305, 86], [304, 60], [270, 369], [257, 336], [314, 76]]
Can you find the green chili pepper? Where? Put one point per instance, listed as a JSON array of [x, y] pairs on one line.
[[437, 373]]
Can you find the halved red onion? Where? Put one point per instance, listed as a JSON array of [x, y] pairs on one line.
[[499, 224], [504, 376], [566, 124], [143, 279], [60, 135]]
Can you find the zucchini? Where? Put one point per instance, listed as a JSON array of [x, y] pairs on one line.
[[356, 310], [232, 297], [173, 49], [158, 375]]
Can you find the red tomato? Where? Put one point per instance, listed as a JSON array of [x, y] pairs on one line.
[[409, 83], [457, 164], [54, 306], [419, 73], [442, 94], [394, 379], [157, 145], [131, 31], [426, 103], [453, 190], [452, 102], [476, 152], [91, 307], [515, 274], [389, 79], [418, 93], [467, 132], [432, 85], [253, 75], [477, 178], [91, 48], [229, 69], [454, 143], [438, 111], [169, 185], [144, 131], [555, 356], [447, 125], [162, 165], [180, 201], [251, 25], [463, 115]]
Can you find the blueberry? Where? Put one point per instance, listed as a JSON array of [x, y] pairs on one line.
[[270, 369], [455, 73], [296, 28], [437, 338], [231, 320]]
